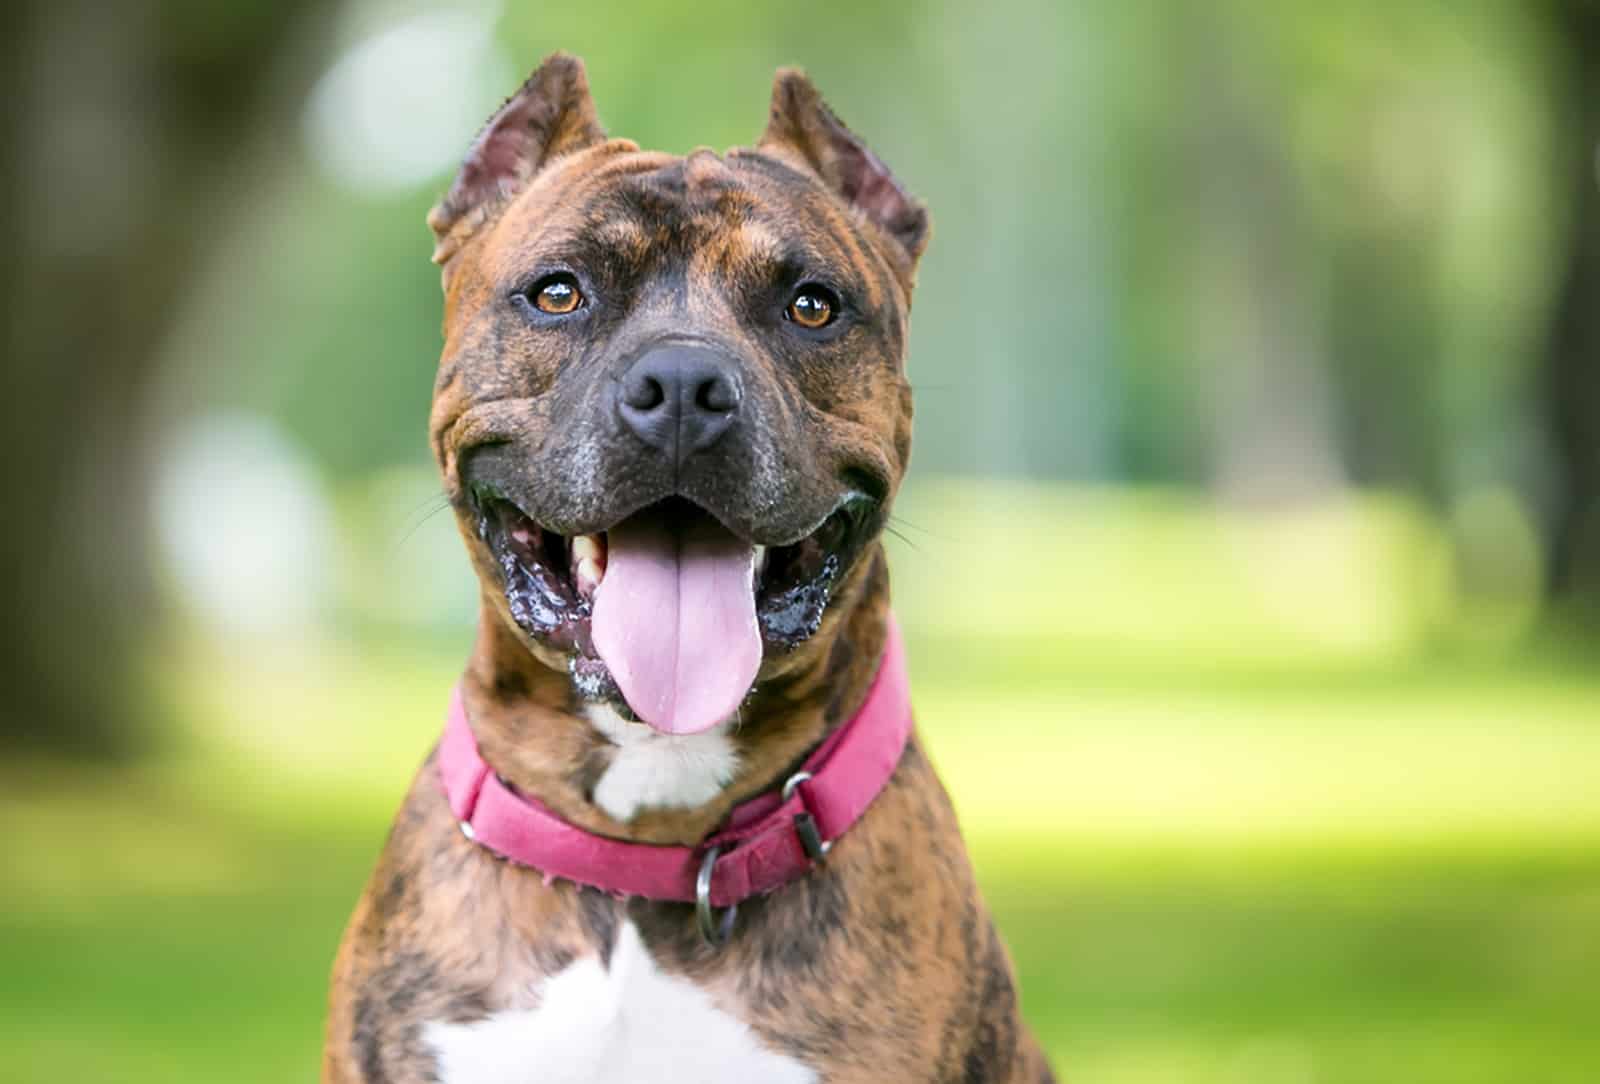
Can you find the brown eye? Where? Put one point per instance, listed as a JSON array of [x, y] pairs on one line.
[[557, 295], [813, 307]]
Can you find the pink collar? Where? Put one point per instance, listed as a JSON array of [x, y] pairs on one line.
[[765, 843]]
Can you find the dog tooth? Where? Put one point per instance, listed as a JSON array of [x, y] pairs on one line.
[[761, 559], [586, 547], [588, 576]]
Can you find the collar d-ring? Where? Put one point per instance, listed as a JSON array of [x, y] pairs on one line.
[[714, 930]]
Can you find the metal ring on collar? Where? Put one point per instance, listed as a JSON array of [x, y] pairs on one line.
[[792, 782], [714, 931]]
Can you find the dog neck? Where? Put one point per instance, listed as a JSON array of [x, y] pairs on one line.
[[571, 755]]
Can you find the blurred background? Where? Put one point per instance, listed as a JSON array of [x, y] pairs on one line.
[[1250, 563]]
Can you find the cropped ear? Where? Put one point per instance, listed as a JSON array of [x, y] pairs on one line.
[[551, 115], [802, 124]]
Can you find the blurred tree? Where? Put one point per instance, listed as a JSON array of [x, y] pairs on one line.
[[1247, 237], [118, 146], [1571, 375]]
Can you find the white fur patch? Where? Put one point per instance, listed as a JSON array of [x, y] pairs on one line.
[[660, 771], [628, 1023]]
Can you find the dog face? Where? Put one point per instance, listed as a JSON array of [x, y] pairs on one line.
[[671, 410]]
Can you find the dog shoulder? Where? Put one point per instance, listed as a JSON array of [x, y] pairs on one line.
[[420, 946]]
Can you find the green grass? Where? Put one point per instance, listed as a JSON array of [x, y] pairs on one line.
[[186, 941], [1458, 971], [1363, 858], [1367, 884]]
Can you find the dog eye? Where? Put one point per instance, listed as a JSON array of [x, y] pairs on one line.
[[556, 294], [813, 307]]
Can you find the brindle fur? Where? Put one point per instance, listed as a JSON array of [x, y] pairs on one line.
[[882, 963]]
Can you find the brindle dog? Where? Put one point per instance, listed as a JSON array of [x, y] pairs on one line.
[[702, 344]]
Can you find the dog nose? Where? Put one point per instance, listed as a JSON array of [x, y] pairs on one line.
[[680, 398]]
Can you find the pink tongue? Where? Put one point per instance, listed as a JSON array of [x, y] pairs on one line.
[[675, 620]]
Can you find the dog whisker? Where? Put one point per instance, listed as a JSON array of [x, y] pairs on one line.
[[890, 528], [419, 518]]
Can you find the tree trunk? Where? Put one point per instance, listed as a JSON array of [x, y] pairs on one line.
[[120, 126], [1571, 377]]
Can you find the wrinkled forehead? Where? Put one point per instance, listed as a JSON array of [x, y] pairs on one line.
[[643, 213]]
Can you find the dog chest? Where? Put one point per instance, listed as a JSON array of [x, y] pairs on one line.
[[627, 1023]]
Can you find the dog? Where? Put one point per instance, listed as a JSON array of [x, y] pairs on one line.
[[679, 826]]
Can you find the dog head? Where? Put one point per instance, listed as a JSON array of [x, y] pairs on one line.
[[671, 410]]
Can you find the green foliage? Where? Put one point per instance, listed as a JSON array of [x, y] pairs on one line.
[[1141, 214]]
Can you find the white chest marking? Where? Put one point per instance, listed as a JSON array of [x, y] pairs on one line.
[[627, 1024], [661, 771]]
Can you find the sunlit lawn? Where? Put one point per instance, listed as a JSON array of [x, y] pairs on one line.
[[1216, 858]]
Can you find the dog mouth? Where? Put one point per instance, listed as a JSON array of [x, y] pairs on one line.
[[667, 614]]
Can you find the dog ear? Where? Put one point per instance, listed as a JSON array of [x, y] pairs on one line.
[[802, 124], [551, 115]]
